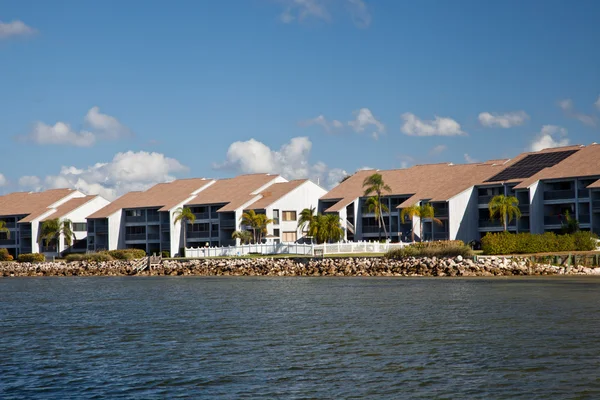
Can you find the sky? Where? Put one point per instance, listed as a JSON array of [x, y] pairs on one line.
[[113, 96]]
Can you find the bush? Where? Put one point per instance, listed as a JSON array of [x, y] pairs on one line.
[[127, 254], [5, 255], [165, 254], [31, 258], [528, 243], [447, 248], [95, 257]]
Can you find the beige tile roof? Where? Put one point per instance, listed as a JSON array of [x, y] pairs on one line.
[[163, 195], [234, 192], [31, 204], [595, 185], [586, 162], [69, 206], [437, 182], [275, 192]]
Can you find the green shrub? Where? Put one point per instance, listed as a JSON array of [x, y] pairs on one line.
[[5, 255], [447, 248], [127, 254], [94, 257], [31, 258], [165, 254], [528, 243]]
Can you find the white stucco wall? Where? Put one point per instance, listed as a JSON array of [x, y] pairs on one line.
[[304, 196], [463, 216], [536, 207], [80, 214]]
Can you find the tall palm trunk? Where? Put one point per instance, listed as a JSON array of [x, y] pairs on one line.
[[184, 223]]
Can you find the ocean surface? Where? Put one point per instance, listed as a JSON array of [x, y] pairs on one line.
[[299, 338]]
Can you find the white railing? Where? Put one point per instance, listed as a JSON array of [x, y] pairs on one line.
[[293, 248]]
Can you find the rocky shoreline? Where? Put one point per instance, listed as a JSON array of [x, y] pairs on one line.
[[375, 266]]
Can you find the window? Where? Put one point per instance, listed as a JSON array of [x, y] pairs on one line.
[[289, 216], [288, 236], [215, 227], [275, 217], [133, 213], [135, 230], [79, 227], [201, 227], [276, 232]]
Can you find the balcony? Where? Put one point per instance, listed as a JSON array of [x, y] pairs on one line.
[[584, 218], [486, 223], [11, 224], [91, 228], [553, 220], [559, 194], [596, 205], [214, 215], [137, 236], [524, 208], [485, 199], [204, 215], [25, 234], [153, 218], [227, 223], [198, 234], [131, 219], [154, 236], [583, 193], [102, 229], [7, 242], [371, 229], [436, 236], [441, 212]]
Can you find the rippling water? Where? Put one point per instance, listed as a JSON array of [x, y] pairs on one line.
[[299, 338]]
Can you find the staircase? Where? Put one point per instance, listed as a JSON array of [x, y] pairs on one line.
[[146, 262], [349, 226]]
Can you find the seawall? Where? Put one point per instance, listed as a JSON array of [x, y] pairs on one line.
[[376, 266]]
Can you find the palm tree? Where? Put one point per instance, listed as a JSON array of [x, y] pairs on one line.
[[261, 225], [53, 228], [505, 208], [244, 236], [257, 222], [374, 186], [307, 216], [328, 228], [425, 211], [185, 215], [4, 229], [374, 206]]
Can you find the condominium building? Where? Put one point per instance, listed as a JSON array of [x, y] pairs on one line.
[[25, 212], [547, 183], [146, 220]]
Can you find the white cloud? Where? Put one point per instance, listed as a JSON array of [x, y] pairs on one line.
[[360, 13], [364, 119], [506, 120], [597, 103], [30, 182], [470, 159], [60, 133], [568, 107], [330, 126], [300, 10], [438, 150], [101, 126], [550, 136], [3, 180], [15, 28], [124, 173], [291, 161], [440, 126], [107, 126]]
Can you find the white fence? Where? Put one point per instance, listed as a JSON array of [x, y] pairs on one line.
[[292, 248]]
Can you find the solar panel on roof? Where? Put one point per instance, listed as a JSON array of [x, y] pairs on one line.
[[531, 165]]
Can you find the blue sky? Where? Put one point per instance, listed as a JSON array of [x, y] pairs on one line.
[[114, 96]]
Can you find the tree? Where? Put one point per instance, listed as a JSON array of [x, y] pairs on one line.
[[185, 215], [378, 208], [328, 228], [374, 186], [570, 225], [4, 229], [52, 229], [244, 236], [504, 208], [307, 216], [425, 211], [257, 222]]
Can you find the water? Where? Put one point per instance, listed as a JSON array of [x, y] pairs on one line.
[[299, 338]]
